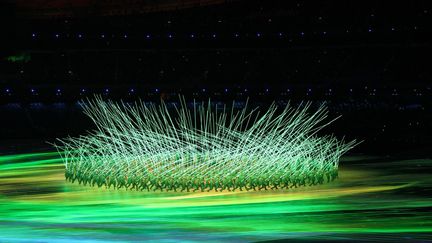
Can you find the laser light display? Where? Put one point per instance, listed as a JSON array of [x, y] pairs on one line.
[[202, 147]]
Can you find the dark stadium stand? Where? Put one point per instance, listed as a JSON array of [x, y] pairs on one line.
[[368, 60]]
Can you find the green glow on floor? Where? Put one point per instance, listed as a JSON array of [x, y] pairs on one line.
[[370, 199]]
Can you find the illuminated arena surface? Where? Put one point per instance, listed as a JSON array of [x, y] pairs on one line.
[[374, 199]]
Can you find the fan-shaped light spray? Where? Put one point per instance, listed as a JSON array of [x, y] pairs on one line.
[[148, 147]]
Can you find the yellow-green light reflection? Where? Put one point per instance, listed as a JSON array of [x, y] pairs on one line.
[[369, 198]]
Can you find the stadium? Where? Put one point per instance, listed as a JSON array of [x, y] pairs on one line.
[[215, 120]]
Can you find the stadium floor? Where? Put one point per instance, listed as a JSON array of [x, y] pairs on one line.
[[374, 199]]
